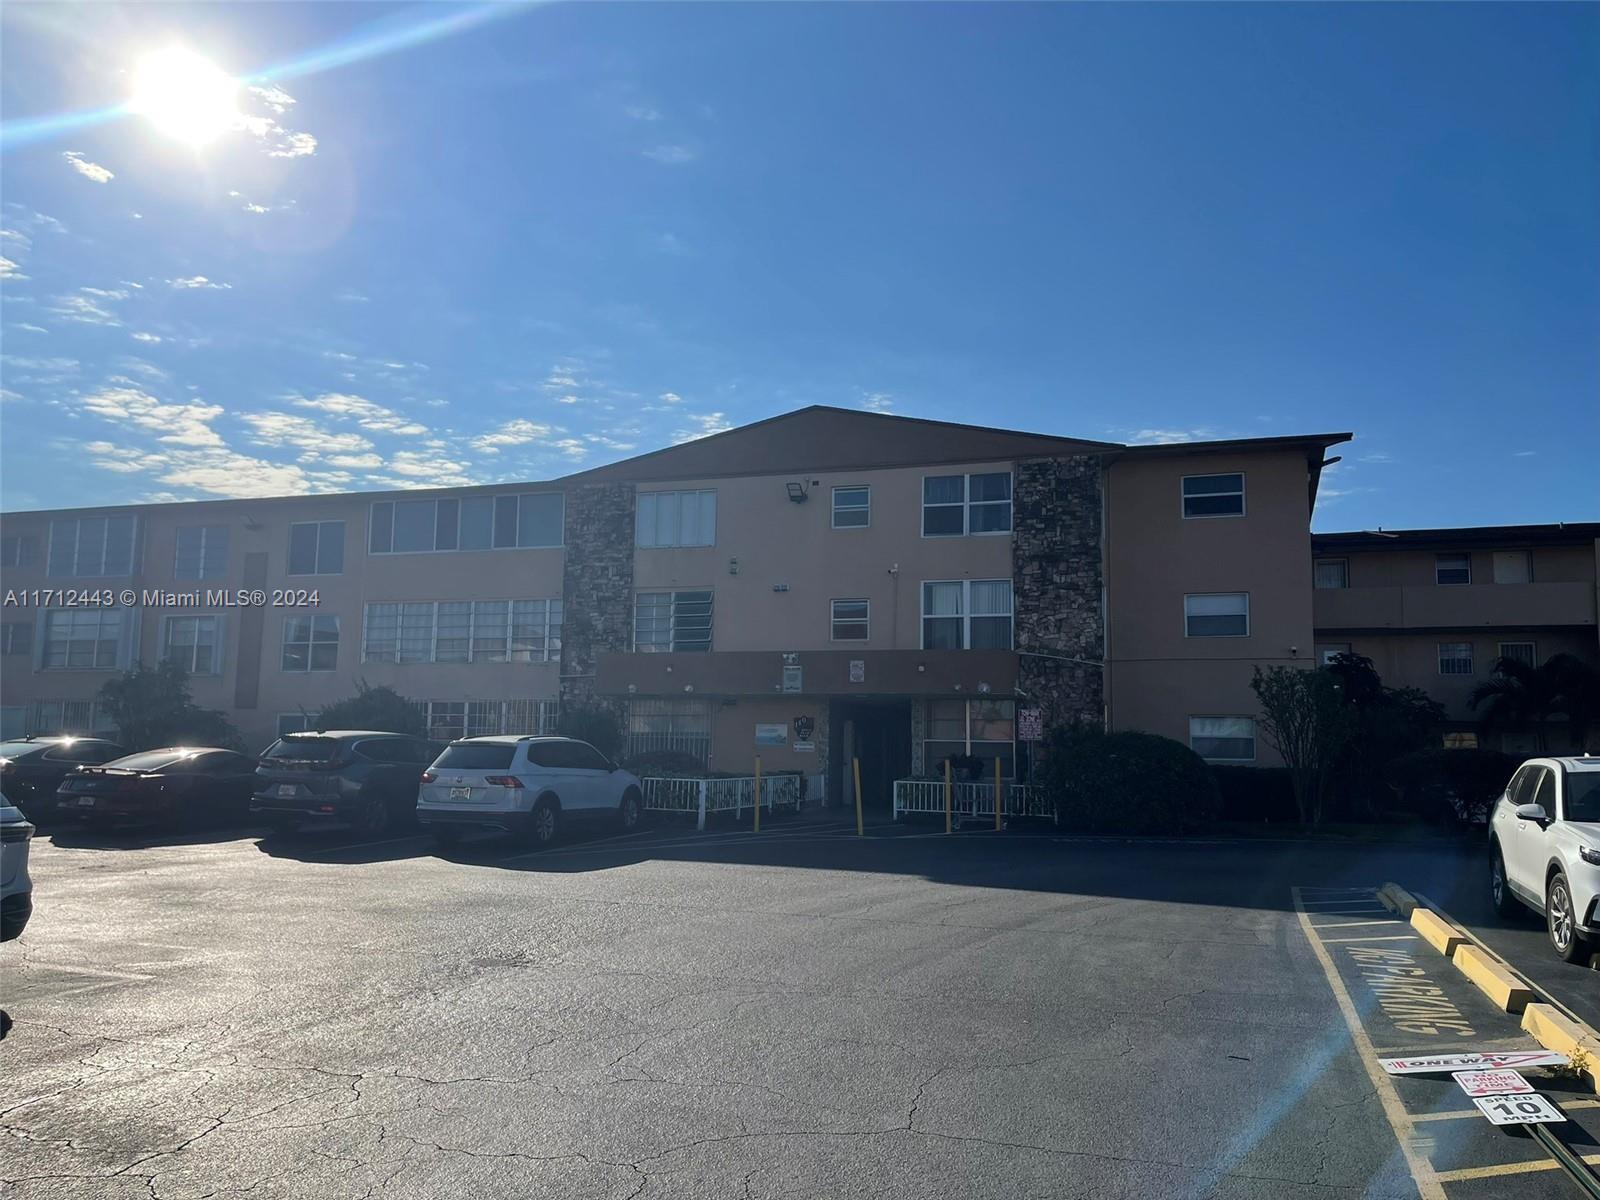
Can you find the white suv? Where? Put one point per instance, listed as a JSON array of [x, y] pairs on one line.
[[1544, 849], [524, 785]]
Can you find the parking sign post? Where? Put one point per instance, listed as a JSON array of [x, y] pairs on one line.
[[947, 806], [997, 794], [758, 793], [855, 767]]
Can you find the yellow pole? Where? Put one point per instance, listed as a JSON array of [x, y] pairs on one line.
[[999, 796], [947, 808], [758, 793], [855, 765]]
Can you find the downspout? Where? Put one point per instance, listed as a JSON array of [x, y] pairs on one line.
[[1105, 595]]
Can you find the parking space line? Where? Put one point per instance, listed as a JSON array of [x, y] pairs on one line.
[[1422, 1172], [1349, 924], [1462, 1174], [1372, 937]]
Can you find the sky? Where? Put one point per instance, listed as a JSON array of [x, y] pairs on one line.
[[439, 245]]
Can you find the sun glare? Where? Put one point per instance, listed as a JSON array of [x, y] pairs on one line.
[[185, 96]]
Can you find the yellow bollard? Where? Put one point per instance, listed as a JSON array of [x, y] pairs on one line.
[[999, 796], [947, 810], [855, 765], [758, 793]]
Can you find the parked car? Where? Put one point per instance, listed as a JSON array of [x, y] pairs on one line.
[[194, 785], [529, 785], [359, 777], [16, 889], [32, 768], [1544, 850]]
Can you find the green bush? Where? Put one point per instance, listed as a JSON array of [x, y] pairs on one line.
[[152, 707], [1126, 783], [1259, 794], [666, 764], [381, 709], [1449, 787]]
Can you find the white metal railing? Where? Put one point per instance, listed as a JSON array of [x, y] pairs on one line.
[[969, 800], [702, 796]]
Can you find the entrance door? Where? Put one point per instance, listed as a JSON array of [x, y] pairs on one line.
[[879, 734]]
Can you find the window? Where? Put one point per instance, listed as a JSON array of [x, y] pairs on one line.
[[92, 546], [68, 716], [202, 552], [1455, 658], [1452, 568], [966, 614], [192, 643], [82, 638], [462, 631], [1526, 653], [297, 722], [447, 720], [851, 620], [1461, 741], [310, 643], [1513, 566], [682, 725], [1331, 573], [676, 621], [852, 507], [16, 637], [953, 505], [19, 551], [676, 519], [983, 728], [1217, 614], [1328, 651], [529, 521], [316, 548], [1223, 739], [1213, 495], [1544, 793]]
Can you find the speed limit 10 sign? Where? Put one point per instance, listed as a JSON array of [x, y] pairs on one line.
[[1519, 1110]]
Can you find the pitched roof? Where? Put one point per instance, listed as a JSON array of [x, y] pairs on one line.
[[1506, 537]]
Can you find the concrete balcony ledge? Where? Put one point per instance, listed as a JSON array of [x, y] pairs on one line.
[[1463, 606], [949, 673]]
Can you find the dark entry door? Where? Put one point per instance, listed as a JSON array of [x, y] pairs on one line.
[[879, 734]]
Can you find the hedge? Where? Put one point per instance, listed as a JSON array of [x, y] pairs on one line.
[[1126, 782]]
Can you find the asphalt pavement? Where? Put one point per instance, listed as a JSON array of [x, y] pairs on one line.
[[799, 1013]]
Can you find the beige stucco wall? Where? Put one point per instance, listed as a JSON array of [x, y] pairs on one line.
[[733, 735], [777, 541]]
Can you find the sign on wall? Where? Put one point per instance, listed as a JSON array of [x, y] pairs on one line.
[[858, 670], [792, 680], [1030, 724], [803, 728], [776, 734]]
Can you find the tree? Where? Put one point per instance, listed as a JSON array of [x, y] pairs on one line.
[[152, 707], [381, 709], [1306, 718], [1390, 723], [1520, 698]]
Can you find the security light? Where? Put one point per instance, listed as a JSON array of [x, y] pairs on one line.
[[797, 492]]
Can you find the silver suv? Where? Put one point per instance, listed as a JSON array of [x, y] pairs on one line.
[[529, 785]]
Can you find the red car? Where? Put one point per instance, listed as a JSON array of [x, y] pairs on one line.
[[190, 785]]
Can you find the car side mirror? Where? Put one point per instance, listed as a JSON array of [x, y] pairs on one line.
[[1532, 812]]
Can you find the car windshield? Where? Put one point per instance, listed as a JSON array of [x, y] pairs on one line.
[[151, 760], [22, 749], [476, 756], [1583, 796], [314, 749]]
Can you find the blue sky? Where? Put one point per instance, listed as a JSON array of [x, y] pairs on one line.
[[546, 240]]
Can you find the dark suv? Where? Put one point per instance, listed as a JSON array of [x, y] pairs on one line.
[[358, 777], [31, 769]]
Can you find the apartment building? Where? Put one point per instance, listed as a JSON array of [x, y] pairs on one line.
[[1436, 608], [823, 585]]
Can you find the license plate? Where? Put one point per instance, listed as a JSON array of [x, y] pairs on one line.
[[287, 789], [86, 802], [461, 793]]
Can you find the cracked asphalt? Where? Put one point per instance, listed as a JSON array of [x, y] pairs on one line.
[[794, 1014]]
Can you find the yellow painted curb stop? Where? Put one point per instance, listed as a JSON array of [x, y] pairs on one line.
[[1553, 1030], [1396, 899], [1437, 932], [1493, 980]]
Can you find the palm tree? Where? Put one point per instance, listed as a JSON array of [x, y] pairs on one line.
[[1523, 697]]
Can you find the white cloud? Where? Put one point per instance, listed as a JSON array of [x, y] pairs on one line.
[[186, 424], [670, 398], [200, 281], [9, 269], [570, 447], [672, 155], [356, 462], [350, 296], [275, 98], [1169, 436], [89, 170], [33, 328], [291, 429], [1378, 457], [86, 308], [877, 401], [294, 145], [643, 112], [142, 336], [1525, 453], [278, 140], [518, 432], [364, 413], [702, 425]]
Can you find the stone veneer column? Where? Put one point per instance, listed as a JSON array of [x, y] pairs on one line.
[[597, 589], [1056, 573]]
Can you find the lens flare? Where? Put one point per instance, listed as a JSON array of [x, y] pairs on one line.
[[185, 96]]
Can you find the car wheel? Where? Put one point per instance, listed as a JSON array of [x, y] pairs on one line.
[[545, 819], [1561, 921], [374, 816], [1505, 903], [629, 811]]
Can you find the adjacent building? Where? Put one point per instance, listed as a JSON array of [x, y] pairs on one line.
[[823, 585]]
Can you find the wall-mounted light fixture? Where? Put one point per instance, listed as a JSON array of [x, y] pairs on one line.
[[797, 492], [984, 688], [733, 566]]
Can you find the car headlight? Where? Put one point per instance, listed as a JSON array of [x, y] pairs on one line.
[[1589, 855]]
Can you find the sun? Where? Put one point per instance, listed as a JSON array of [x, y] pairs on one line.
[[185, 96]]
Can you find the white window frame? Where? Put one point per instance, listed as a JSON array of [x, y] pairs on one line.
[[1255, 739], [212, 538], [75, 569], [966, 615], [316, 558], [1533, 651], [1187, 616], [1494, 565], [1470, 659], [1184, 497], [311, 641], [967, 740], [487, 718], [864, 509], [966, 504], [673, 641], [461, 502], [124, 619], [408, 631], [677, 499], [19, 550], [1344, 569], [1438, 566], [189, 667], [835, 620]]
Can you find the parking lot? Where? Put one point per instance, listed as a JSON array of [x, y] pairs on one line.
[[795, 1013]]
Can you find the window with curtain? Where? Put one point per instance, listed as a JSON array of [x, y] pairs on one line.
[[1223, 739], [967, 614], [1452, 568], [1217, 614], [851, 620], [1455, 658], [667, 519], [1526, 653], [954, 505], [852, 507], [1331, 573], [982, 728], [1213, 495]]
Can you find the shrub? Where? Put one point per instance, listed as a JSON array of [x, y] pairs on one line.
[[1126, 783], [152, 707], [593, 724], [1256, 794], [1450, 787], [381, 709], [666, 764]]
